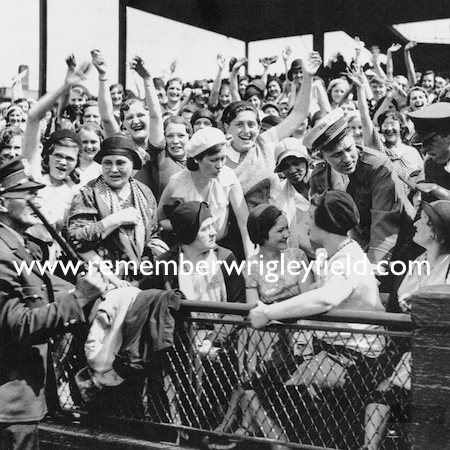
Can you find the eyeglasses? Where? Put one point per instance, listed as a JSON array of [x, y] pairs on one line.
[[58, 158], [119, 164]]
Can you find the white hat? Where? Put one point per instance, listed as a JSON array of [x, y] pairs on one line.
[[204, 139], [326, 129], [290, 147]]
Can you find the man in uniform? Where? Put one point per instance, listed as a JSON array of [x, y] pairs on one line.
[[33, 308], [368, 176], [432, 126]]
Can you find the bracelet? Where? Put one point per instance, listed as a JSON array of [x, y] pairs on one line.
[[103, 79]]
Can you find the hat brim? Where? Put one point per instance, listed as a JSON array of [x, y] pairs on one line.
[[18, 191], [420, 138], [278, 167], [135, 158]]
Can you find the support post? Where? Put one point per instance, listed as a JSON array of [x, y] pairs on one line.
[[430, 427], [42, 47]]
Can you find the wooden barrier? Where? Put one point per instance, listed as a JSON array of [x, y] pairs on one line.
[[430, 427]]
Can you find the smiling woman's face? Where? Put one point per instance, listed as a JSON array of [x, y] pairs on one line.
[[244, 129], [62, 162], [137, 121]]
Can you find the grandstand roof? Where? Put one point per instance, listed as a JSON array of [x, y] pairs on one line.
[[253, 20]]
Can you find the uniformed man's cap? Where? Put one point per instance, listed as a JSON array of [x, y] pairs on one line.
[[14, 180], [332, 126], [430, 120]]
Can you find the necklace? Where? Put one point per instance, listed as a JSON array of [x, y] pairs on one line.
[[341, 246]]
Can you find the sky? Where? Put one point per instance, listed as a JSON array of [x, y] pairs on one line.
[[77, 26]]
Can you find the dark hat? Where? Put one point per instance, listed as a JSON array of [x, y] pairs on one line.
[[271, 105], [439, 214], [250, 91], [59, 135], [119, 144], [296, 64], [203, 113], [430, 120], [187, 218], [394, 114], [14, 180], [332, 126], [269, 122], [336, 212], [159, 83]]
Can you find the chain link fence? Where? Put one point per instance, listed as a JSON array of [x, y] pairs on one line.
[[306, 384]]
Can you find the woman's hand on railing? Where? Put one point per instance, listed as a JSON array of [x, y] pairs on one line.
[[258, 316]]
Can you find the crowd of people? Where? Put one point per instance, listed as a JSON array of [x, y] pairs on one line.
[[345, 165]]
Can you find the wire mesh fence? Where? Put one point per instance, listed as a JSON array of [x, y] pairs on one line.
[[307, 384]]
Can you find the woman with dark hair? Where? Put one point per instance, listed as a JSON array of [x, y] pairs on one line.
[[60, 156], [342, 367], [433, 235], [141, 120], [208, 180], [202, 118], [406, 159], [168, 158], [267, 280], [174, 89], [250, 154], [113, 217]]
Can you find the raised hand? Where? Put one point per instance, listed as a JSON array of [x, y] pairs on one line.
[[359, 45], [311, 64], [409, 46], [394, 48], [77, 74], [173, 66], [356, 77], [99, 62], [286, 53], [239, 63], [220, 60], [137, 64], [71, 61]]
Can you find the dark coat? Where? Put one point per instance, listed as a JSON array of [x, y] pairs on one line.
[[33, 308], [378, 195]]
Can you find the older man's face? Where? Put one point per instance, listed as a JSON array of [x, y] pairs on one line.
[[19, 213], [343, 156], [438, 148]]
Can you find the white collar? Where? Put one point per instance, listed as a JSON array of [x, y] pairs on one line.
[[233, 154]]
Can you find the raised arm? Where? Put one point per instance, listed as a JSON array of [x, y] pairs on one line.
[[357, 78], [105, 105], [64, 100], [301, 106], [410, 69], [234, 85], [376, 62], [214, 97], [31, 138], [286, 54], [390, 63], [320, 95], [156, 135]]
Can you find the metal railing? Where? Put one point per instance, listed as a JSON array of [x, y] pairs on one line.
[[306, 384]]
